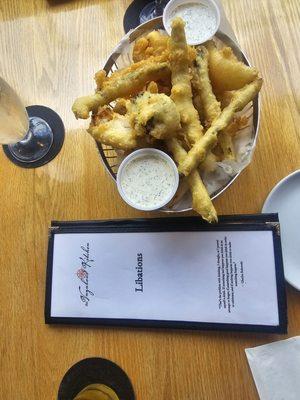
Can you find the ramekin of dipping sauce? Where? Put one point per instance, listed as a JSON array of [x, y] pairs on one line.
[[201, 17], [147, 179]]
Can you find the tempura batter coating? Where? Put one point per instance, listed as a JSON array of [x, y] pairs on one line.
[[152, 87], [202, 87], [155, 43], [148, 114], [113, 129], [201, 201], [181, 92], [226, 72], [211, 107], [226, 135], [120, 106], [100, 78], [155, 114], [122, 83], [199, 151]]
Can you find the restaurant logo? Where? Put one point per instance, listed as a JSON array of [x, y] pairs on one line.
[[83, 275]]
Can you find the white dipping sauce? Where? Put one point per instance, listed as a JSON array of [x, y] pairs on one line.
[[200, 21], [148, 181]]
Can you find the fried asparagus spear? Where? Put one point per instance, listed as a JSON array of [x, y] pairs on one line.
[[181, 92], [202, 203], [202, 87], [199, 151], [211, 106], [122, 83]]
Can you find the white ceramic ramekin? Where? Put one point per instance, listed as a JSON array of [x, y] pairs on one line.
[[173, 4], [142, 153]]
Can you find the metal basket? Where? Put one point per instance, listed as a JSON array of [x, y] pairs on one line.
[[118, 60]]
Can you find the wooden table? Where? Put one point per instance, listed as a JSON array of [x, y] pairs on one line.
[[49, 53]]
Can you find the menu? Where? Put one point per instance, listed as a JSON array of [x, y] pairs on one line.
[[167, 273]]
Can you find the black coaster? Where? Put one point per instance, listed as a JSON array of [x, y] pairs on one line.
[[57, 126], [132, 15], [95, 370]]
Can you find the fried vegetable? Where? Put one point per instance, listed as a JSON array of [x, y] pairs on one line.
[[201, 201], [148, 114], [120, 106], [152, 87], [181, 92], [164, 99], [113, 129], [199, 106], [153, 44], [225, 98], [156, 43], [155, 114], [100, 77], [122, 83], [211, 107], [226, 145], [202, 87], [199, 151], [226, 72]]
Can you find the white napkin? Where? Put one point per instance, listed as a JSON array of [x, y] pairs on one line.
[[276, 369]]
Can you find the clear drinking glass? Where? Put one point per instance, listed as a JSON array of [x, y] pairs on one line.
[[28, 139], [152, 10]]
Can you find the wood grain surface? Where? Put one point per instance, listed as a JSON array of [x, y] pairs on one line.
[[49, 52]]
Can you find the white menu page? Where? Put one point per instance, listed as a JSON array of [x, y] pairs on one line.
[[217, 277]]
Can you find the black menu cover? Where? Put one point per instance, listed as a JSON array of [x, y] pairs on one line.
[[168, 272]]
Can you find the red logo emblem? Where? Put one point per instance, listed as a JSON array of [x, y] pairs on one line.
[[81, 273]]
